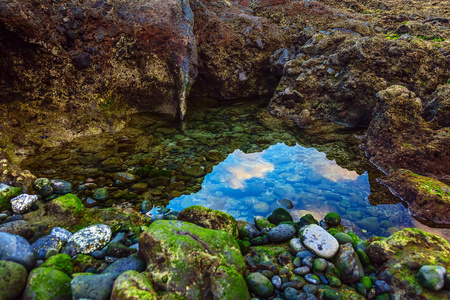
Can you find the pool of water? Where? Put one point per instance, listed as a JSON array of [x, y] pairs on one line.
[[235, 158]]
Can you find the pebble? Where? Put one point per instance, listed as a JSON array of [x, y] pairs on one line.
[[62, 233], [305, 254], [276, 281], [23, 203], [302, 270], [296, 245], [311, 278], [17, 249], [382, 287], [61, 187], [93, 286], [281, 233], [91, 238], [45, 243], [125, 264], [260, 285], [319, 241]]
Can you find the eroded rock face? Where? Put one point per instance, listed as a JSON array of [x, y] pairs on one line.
[[194, 262]]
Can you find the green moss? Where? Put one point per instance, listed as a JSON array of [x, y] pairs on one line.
[[70, 203], [133, 285], [6, 195], [48, 284], [61, 262]]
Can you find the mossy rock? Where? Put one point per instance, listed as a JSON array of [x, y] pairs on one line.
[[209, 218], [343, 238], [185, 259], [6, 194], [61, 262], [48, 283], [13, 277], [279, 215], [410, 246], [133, 285], [333, 219], [69, 204], [83, 262]]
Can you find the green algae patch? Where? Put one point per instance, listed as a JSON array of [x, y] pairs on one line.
[[48, 284], [6, 194], [184, 259], [209, 218], [133, 285], [61, 262]]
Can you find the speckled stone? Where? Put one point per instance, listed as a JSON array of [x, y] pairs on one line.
[[62, 233], [91, 238], [42, 245], [61, 186], [281, 233], [319, 241], [23, 203]]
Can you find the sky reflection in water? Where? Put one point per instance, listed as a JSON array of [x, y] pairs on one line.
[[245, 185]]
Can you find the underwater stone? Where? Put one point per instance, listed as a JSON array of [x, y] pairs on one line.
[[432, 277], [22, 203], [100, 194], [91, 238], [279, 215], [61, 186], [194, 171], [319, 241], [286, 203]]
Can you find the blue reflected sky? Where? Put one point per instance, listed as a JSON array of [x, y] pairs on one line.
[[246, 185]]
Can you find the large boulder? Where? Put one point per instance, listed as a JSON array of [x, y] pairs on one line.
[[133, 285], [13, 277], [399, 257], [209, 218], [193, 262], [47, 284], [348, 264], [17, 249]]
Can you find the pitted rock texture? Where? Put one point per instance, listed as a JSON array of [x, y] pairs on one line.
[[23, 203], [319, 241]]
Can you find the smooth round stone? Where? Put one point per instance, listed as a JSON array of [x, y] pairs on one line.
[[93, 286], [286, 203], [13, 277], [23, 203], [335, 282], [146, 206], [311, 278], [276, 281], [311, 289], [124, 177], [100, 194], [61, 187], [120, 237], [46, 242], [290, 293], [251, 231], [18, 227], [333, 219], [320, 264], [382, 287], [3, 216], [432, 277], [62, 233], [260, 285], [279, 215], [305, 254], [46, 191], [125, 264], [91, 238], [297, 262], [281, 233], [347, 261], [363, 257], [343, 238], [302, 270], [319, 241], [308, 261], [365, 280], [261, 222], [296, 245], [15, 248], [194, 171]]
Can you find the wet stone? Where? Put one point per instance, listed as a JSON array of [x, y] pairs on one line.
[[319, 241], [61, 186], [125, 264], [100, 194], [311, 278], [276, 281], [305, 254], [23, 203], [15, 248], [61, 233], [296, 245], [290, 293], [281, 233], [42, 245], [46, 191], [91, 238], [260, 285], [432, 277], [93, 286], [279, 215], [302, 270], [320, 264]]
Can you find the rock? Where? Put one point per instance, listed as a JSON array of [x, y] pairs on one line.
[[432, 277], [40, 182], [132, 283], [47, 283], [296, 245], [61, 187], [46, 191], [139, 188], [262, 222], [17, 249], [348, 264], [61, 262], [311, 278], [118, 250], [91, 238], [97, 287], [100, 194], [307, 219], [279, 215], [71, 249], [209, 218], [62, 233], [6, 193], [125, 264], [290, 293], [286, 203], [281, 233], [174, 249], [319, 241], [68, 205], [195, 172], [320, 265], [302, 270], [407, 247], [259, 284], [363, 257], [333, 219], [19, 227], [276, 281], [13, 278], [343, 238], [120, 237], [23, 203], [45, 243], [81, 61]]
